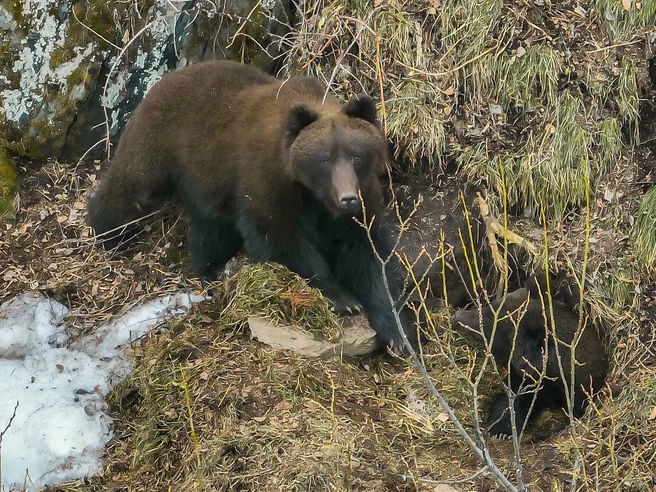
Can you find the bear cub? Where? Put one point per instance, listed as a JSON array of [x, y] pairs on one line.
[[275, 166], [521, 318]]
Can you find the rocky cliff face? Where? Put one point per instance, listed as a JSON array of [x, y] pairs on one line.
[[72, 72]]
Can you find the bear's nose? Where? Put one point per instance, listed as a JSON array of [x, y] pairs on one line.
[[349, 200]]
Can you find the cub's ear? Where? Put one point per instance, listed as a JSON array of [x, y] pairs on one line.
[[363, 107], [299, 117], [516, 298]]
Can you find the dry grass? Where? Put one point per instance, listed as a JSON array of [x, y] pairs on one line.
[[269, 421], [617, 438], [266, 420], [209, 409], [644, 230], [539, 107], [519, 86], [50, 249], [273, 292], [624, 21]]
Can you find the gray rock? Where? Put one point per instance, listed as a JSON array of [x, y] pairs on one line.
[[71, 73], [359, 338]]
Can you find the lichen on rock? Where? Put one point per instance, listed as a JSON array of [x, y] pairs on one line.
[[8, 185], [71, 73], [39, 105]]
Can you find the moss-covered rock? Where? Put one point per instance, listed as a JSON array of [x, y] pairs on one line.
[[72, 72], [8, 185]]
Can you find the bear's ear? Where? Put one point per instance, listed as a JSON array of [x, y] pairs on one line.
[[363, 107], [517, 298], [300, 116]]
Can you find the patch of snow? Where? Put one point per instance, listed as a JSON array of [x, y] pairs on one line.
[[61, 427], [27, 324]]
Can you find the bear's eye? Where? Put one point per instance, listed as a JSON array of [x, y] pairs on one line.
[[326, 162], [356, 159]]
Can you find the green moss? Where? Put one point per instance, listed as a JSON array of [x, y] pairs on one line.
[[8, 54], [23, 20], [8, 185], [79, 76], [94, 16], [61, 55], [46, 136], [248, 41], [4, 54], [42, 139], [15, 8], [109, 20], [644, 232]]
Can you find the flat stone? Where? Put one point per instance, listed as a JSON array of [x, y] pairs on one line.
[[359, 339]]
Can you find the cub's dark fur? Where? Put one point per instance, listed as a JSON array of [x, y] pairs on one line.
[[263, 163], [526, 362]]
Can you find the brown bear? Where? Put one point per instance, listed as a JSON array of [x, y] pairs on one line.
[[277, 166], [522, 323]]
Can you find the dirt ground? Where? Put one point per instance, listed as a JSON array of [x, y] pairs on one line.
[[210, 409], [266, 420]]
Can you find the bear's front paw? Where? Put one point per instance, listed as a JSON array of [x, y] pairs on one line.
[[396, 346], [345, 303], [388, 331], [501, 429]]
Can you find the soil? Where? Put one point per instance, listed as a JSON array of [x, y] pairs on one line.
[[48, 248]]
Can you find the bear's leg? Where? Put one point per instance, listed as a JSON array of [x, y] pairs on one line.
[[358, 268], [213, 243], [498, 423], [580, 401], [125, 193], [301, 256]]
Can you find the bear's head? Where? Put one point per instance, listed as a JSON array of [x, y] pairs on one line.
[[337, 152], [516, 312]]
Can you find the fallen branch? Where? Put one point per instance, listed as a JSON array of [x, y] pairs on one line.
[[494, 228], [492, 224], [2, 434]]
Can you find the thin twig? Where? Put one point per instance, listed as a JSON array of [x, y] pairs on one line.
[[91, 30], [2, 434], [482, 454]]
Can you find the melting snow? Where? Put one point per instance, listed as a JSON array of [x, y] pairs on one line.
[[61, 427]]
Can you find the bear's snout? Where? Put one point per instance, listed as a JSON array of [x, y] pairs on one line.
[[466, 321], [346, 189], [349, 200]]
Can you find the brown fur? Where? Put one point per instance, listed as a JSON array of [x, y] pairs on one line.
[[277, 165], [196, 122], [519, 342]]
